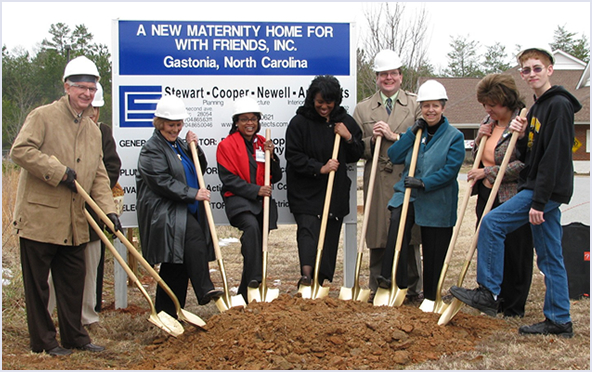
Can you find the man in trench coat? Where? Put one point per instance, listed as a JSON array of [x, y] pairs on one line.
[[387, 113], [58, 145]]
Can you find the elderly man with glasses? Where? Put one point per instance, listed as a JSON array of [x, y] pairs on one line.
[[58, 145]]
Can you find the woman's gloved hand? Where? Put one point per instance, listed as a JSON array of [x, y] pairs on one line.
[[419, 124], [414, 183]]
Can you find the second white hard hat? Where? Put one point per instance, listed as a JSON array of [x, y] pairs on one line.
[[81, 66], [431, 90], [387, 60], [538, 49], [98, 100], [244, 105], [171, 108]]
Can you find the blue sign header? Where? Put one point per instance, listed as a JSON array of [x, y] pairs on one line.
[[233, 48]]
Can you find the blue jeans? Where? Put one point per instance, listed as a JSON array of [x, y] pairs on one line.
[[547, 242]]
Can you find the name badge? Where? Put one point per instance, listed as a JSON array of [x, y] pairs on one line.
[[260, 156]]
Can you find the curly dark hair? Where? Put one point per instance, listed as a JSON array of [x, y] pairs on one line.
[[329, 88], [499, 88]]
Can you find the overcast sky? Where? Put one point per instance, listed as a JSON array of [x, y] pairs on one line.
[[525, 23]]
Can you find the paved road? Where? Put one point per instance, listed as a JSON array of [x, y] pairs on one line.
[[578, 210]]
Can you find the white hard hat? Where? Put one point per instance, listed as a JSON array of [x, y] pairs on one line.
[[81, 66], [98, 101], [171, 108], [387, 60], [538, 49], [244, 105], [431, 90]]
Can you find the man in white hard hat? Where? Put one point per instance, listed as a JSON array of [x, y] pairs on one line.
[[387, 113], [58, 145]]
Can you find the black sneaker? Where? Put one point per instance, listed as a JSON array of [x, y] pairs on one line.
[[548, 328], [480, 298], [253, 284]]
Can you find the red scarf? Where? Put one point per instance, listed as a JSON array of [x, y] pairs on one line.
[[231, 155]]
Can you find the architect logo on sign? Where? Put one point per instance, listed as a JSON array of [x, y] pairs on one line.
[[138, 104]]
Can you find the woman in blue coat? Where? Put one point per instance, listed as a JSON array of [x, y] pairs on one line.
[[434, 195]]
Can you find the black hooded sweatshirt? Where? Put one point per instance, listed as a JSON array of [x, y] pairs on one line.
[[547, 148]]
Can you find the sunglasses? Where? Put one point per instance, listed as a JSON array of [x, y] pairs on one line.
[[527, 70]]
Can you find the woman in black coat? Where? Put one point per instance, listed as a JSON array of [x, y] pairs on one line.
[[309, 146], [171, 219]]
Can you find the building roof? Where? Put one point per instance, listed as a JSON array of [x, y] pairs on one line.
[[463, 109]]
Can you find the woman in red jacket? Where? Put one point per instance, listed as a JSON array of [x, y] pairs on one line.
[[241, 168]]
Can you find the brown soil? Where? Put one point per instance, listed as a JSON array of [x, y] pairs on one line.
[[296, 333]]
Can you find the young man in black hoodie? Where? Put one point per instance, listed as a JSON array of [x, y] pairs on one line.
[[545, 142]]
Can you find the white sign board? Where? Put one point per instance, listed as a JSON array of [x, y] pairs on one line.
[[211, 64]]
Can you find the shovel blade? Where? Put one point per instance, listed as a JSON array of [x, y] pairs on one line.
[[171, 323], [450, 312], [321, 292], [305, 291], [191, 318], [390, 297], [382, 297], [254, 294], [363, 295], [272, 294], [154, 320], [440, 307], [427, 306], [346, 294], [235, 301]]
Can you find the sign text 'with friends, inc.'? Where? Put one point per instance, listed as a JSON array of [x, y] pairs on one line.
[[235, 48]]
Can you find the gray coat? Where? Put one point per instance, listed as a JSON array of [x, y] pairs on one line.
[[405, 111]]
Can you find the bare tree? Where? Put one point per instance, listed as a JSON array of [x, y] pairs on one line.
[[389, 27]]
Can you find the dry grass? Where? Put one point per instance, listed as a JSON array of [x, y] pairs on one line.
[[129, 333]]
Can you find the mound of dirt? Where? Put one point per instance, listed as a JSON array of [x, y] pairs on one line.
[[296, 333]]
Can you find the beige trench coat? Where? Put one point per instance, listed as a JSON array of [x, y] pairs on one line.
[[52, 138], [366, 113]]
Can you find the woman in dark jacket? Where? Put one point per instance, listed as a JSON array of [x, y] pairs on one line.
[[241, 167], [309, 146], [170, 216]]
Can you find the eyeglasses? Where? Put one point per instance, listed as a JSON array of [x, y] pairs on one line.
[[246, 120], [386, 74], [527, 70], [83, 88]]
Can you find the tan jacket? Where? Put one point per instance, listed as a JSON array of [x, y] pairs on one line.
[[366, 113], [51, 139]]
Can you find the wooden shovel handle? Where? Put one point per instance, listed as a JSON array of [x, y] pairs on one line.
[[325, 215], [266, 199], [127, 244], [407, 196], [212, 225], [465, 202], [491, 199], [208, 208], [368, 202]]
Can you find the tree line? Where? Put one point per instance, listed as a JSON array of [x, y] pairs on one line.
[[31, 80]]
